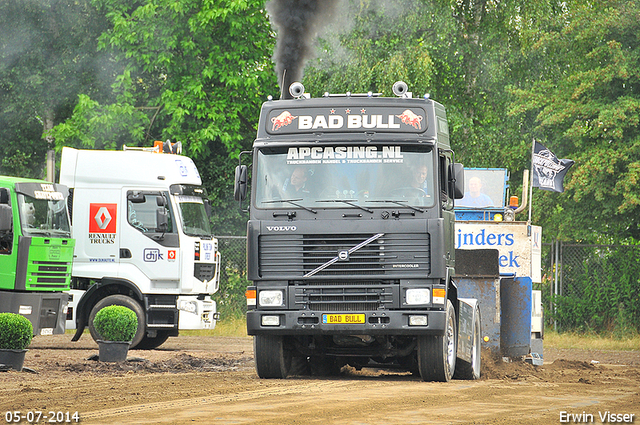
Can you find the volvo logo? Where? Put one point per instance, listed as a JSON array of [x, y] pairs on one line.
[[343, 255], [282, 228]]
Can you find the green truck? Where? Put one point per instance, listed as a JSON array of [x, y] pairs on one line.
[[36, 252]]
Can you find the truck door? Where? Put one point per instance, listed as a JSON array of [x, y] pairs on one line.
[[7, 257], [149, 238], [446, 202]]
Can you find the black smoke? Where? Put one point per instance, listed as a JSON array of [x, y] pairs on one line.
[[297, 23]]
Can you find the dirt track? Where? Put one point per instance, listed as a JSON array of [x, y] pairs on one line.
[[211, 380]]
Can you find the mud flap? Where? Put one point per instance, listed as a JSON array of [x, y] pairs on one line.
[[467, 311]]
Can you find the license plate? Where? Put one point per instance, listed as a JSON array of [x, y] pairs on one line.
[[343, 319]]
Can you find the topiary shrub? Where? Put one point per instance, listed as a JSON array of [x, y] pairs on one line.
[[116, 323], [16, 331]]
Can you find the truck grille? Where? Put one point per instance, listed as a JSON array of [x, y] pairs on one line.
[[322, 298], [389, 256], [204, 271], [49, 275]]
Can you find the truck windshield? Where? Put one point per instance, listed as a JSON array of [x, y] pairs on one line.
[[195, 221], [339, 176], [43, 217]]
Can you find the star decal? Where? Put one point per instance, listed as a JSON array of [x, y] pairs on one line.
[[347, 111], [363, 111], [333, 111]]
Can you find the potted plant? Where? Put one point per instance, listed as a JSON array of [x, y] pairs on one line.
[[116, 326], [16, 333]]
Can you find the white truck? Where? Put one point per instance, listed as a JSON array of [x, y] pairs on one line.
[[140, 219]]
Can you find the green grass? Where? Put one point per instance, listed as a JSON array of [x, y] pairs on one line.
[[590, 341], [229, 326]]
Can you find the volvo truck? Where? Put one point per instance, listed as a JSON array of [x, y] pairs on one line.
[[350, 238]]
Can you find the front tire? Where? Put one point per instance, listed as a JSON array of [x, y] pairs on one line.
[[437, 353], [150, 343], [124, 301], [273, 359]]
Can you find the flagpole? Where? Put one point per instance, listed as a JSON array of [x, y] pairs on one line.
[[533, 149]]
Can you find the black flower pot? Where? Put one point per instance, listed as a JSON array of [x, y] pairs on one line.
[[13, 359], [113, 351]]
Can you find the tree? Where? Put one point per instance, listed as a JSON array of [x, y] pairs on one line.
[[463, 54], [586, 103], [193, 71], [47, 56]]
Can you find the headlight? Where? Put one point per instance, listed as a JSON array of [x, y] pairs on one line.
[[418, 296], [270, 321], [188, 306], [270, 298], [417, 320]]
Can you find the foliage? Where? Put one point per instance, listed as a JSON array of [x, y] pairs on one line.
[[116, 323], [190, 70], [231, 297], [585, 97], [231, 301], [16, 331], [601, 293], [48, 55], [193, 71]]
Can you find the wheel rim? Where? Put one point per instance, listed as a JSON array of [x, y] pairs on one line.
[[451, 344], [475, 353]]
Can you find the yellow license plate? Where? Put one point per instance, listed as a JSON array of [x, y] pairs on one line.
[[343, 319]]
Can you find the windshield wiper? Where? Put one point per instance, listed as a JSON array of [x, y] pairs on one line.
[[348, 202], [292, 202], [401, 203]]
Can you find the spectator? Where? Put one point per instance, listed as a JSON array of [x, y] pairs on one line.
[[474, 197]]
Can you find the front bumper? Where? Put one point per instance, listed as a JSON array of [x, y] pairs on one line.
[[395, 322]]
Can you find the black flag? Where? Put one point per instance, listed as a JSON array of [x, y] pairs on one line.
[[548, 170]]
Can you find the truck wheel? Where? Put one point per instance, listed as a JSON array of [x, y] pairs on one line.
[[124, 301], [437, 353], [464, 369], [273, 359], [149, 343]]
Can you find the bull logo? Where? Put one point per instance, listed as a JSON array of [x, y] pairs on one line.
[[282, 120], [409, 118]]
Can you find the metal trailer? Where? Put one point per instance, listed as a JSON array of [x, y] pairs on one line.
[[498, 260]]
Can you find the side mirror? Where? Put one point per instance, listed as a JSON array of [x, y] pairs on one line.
[[240, 183], [162, 220], [6, 218], [137, 198], [457, 174], [160, 201]]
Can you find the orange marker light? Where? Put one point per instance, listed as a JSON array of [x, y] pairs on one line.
[[251, 296]]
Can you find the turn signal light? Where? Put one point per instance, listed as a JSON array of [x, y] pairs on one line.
[[251, 297]]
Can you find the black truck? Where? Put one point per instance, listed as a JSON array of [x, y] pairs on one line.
[[350, 241]]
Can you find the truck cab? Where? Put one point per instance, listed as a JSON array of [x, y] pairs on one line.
[[351, 235], [143, 240], [36, 251]]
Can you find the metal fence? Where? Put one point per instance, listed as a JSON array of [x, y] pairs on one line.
[[233, 276], [585, 287], [592, 287]]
